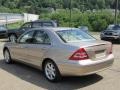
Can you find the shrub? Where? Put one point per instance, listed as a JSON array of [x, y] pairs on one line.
[[96, 21]]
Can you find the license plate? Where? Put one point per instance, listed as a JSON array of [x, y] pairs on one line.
[[100, 55]]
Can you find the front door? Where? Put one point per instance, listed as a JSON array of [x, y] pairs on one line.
[[40, 45], [19, 50]]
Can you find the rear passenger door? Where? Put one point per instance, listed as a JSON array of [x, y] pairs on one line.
[[40, 46]]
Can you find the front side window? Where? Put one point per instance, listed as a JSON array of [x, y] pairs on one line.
[[27, 38], [74, 35], [41, 37]]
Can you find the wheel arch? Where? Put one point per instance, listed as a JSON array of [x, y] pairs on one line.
[[5, 48], [45, 60], [58, 73], [48, 59]]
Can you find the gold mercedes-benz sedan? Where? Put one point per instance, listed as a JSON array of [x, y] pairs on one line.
[[60, 52]]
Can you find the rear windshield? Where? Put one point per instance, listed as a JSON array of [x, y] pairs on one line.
[[74, 35]]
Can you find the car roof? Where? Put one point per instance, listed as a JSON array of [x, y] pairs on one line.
[[54, 28]]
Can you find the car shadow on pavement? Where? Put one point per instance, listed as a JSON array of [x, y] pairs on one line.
[[115, 42], [36, 77]]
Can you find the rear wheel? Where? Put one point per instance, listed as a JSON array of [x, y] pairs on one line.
[[51, 71], [12, 38], [7, 56]]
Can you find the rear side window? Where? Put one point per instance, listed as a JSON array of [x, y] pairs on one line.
[[41, 37]]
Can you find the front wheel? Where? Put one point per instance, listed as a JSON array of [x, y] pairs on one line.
[[51, 71], [7, 56]]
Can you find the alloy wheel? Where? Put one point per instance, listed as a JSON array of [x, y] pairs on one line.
[[7, 56], [50, 71]]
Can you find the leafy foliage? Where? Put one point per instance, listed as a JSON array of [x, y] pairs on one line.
[[84, 12], [34, 6], [96, 21]]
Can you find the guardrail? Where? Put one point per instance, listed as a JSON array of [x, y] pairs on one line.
[[6, 18]]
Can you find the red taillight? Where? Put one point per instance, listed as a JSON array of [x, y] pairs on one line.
[[79, 55]]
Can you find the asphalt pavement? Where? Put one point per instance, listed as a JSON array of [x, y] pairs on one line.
[[21, 77]]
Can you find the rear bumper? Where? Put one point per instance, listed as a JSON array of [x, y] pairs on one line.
[[85, 67]]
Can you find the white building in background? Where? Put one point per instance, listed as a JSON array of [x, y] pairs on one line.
[[6, 18], [30, 17]]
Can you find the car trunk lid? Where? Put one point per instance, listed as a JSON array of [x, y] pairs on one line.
[[96, 49]]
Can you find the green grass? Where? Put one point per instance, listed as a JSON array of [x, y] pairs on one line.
[[14, 25]]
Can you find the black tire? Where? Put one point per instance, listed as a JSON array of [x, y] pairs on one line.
[[12, 38], [7, 59], [57, 76], [118, 40], [102, 38]]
